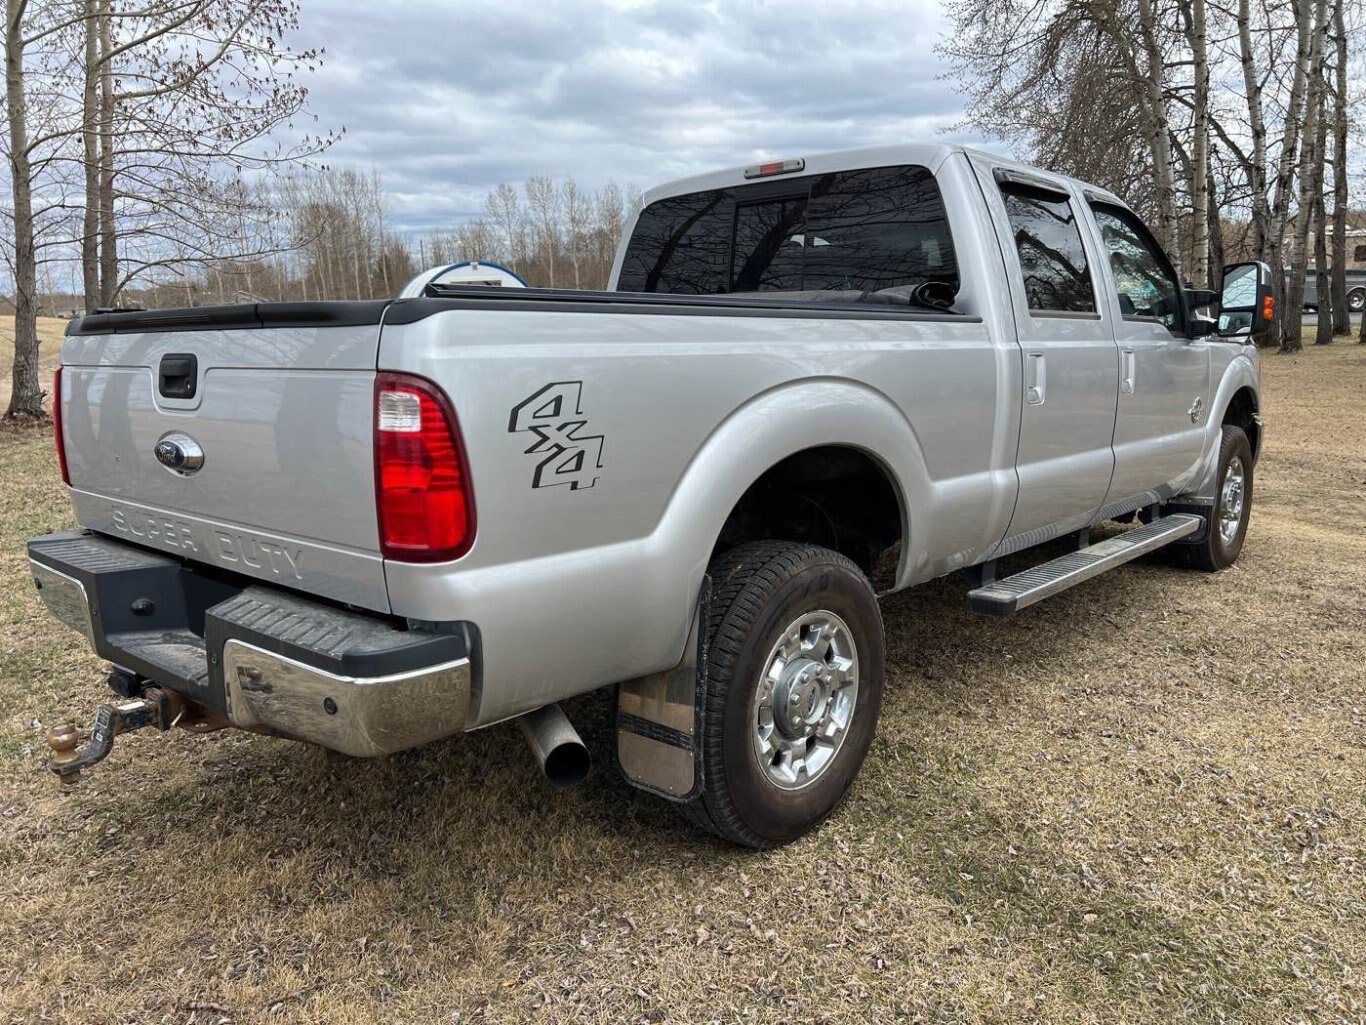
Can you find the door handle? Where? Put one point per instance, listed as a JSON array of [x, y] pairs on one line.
[[177, 375], [1036, 378], [1130, 366]]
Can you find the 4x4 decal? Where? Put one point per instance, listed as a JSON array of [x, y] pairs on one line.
[[554, 417]]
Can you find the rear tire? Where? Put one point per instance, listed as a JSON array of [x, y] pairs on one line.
[[1226, 521], [795, 646]]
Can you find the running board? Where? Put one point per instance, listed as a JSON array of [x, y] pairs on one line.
[[1007, 597]]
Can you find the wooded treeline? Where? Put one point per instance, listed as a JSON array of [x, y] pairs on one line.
[[335, 240], [163, 148], [1226, 124]]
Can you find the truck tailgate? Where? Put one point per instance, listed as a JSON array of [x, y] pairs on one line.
[[279, 400]]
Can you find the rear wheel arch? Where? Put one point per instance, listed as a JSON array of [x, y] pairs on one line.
[[841, 497]]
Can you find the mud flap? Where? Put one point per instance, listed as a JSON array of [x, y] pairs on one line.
[[659, 719]]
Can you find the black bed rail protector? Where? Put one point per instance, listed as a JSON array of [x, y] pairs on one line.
[[229, 318], [408, 311]]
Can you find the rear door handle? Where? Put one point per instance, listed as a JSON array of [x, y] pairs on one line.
[[1129, 368], [1036, 378]]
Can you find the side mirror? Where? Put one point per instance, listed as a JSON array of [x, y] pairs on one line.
[[1247, 307]]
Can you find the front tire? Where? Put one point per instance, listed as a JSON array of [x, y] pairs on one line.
[[1226, 521], [793, 690]]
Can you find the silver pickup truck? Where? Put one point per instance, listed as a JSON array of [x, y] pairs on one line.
[[371, 525]]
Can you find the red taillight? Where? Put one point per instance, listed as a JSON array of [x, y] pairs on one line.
[[423, 496], [57, 425]]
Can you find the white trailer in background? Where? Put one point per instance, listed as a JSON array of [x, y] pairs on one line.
[[470, 272]]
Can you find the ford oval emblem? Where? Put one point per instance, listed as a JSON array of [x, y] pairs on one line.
[[179, 453]]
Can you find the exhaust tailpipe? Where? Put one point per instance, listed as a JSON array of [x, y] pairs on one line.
[[558, 748]]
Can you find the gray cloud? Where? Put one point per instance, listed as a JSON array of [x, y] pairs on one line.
[[446, 99]]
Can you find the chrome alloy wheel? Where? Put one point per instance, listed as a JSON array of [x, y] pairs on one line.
[[1231, 500], [806, 700]]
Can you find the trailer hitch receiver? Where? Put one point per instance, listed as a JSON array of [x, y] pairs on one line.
[[153, 707]]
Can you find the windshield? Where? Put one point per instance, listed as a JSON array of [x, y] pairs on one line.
[[858, 231]]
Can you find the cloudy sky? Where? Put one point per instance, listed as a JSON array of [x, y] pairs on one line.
[[446, 99]]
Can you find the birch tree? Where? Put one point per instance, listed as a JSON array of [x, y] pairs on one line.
[[543, 200], [187, 89], [1256, 167], [26, 398], [1342, 321], [1310, 180], [1200, 172]]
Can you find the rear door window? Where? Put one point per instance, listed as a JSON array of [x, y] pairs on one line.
[[1052, 257], [851, 231]]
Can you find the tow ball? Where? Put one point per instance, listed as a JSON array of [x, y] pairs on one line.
[[151, 707]]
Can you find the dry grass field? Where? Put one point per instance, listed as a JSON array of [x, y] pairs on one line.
[[1142, 801]]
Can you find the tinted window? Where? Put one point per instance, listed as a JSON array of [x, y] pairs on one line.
[[863, 230], [878, 228], [1051, 255], [1145, 280], [681, 244], [768, 246]]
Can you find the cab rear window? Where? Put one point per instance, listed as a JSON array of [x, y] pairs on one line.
[[866, 230]]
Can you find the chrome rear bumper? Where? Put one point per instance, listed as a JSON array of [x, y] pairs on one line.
[[361, 716], [255, 656]]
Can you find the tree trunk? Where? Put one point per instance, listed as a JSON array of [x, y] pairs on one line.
[[1216, 236], [1323, 334], [1311, 186], [1156, 123], [26, 394], [1200, 149], [1257, 126], [90, 140], [1342, 319], [1287, 304], [109, 240]]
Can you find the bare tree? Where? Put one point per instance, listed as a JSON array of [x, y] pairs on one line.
[[1342, 321], [1310, 182], [1198, 113], [188, 87], [575, 207], [1290, 150], [1200, 172], [26, 397], [1155, 107], [1255, 167], [506, 217], [543, 199]]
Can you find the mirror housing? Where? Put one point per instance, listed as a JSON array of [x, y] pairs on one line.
[[1247, 305], [1198, 299]]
